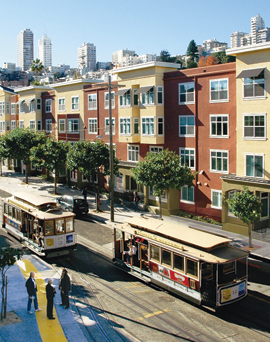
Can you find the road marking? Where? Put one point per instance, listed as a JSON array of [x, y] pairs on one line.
[[261, 299], [148, 315]]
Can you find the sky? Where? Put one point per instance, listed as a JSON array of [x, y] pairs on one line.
[[146, 26]]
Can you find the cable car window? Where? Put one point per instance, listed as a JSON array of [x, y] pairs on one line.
[[14, 213], [207, 270], [6, 208], [228, 267], [10, 210], [178, 262], [19, 215], [49, 227], [69, 225], [155, 253], [60, 226], [166, 257], [192, 268]]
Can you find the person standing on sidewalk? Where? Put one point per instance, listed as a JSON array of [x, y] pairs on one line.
[[65, 288], [136, 199], [50, 293], [31, 287], [84, 193]]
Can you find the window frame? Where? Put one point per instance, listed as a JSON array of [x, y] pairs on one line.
[[21, 123], [7, 107], [186, 126], [39, 103], [265, 198], [48, 105], [183, 200], [160, 124], [219, 90], [136, 123], [148, 98], [92, 124], [75, 106], [106, 101], [13, 109], [48, 124], [160, 149], [92, 105], [13, 124], [211, 131], [107, 126], [32, 122], [254, 155], [219, 192], [124, 99], [39, 123], [189, 156], [160, 91], [125, 124], [2, 108], [219, 151], [254, 126], [62, 106], [73, 122], [61, 122], [186, 92], [32, 106], [130, 150], [254, 97], [133, 98], [150, 124]]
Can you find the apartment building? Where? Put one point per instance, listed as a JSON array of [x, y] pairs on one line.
[[5, 108], [253, 129], [45, 51], [87, 57], [25, 49]]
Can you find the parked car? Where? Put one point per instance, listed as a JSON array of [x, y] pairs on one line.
[[76, 204]]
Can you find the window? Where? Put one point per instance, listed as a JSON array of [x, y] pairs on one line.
[[148, 97], [186, 126], [62, 125], [187, 194], [179, 262], [22, 107], [75, 103], [160, 126], [216, 199], [32, 124], [187, 156], [124, 100], [49, 227], [32, 106], [166, 257], [159, 95], [49, 125], [219, 125], [60, 226], [136, 126], [2, 107], [39, 125], [92, 101], [1, 126], [254, 165], [13, 108], [13, 124], [21, 124], [155, 253], [38, 104], [254, 126], [186, 92], [254, 86], [156, 149], [219, 90], [219, 161], [192, 268], [135, 98], [119, 182], [125, 126], [107, 126], [73, 125], [62, 104], [48, 106], [265, 205], [148, 126], [133, 153], [92, 126], [7, 125], [73, 175], [107, 100], [7, 107], [69, 224]]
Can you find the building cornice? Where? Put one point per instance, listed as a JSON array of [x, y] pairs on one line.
[[144, 66], [248, 48], [18, 90], [72, 82], [250, 180]]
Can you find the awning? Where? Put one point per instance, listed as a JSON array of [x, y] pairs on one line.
[[250, 73], [21, 101], [122, 92], [143, 90], [30, 100]]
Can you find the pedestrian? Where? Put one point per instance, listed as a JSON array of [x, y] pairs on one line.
[[136, 199], [132, 250], [64, 286], [31, 287], [50, 293], [84, 193]]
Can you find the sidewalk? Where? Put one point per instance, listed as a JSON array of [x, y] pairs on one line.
[[12, 182]]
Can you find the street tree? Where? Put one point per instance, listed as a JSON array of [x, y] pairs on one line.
[[91, 159], [192, 51], [52, 155], [8, 257], [3, 153], [224, 58], [37, 66], [191, 64], [19, 142], [162, 171], [164, 56], [247, 207]]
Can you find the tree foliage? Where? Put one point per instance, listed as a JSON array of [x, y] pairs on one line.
[[91, 158], [246, 206], [192, 50], [191, 64], [3, 151], [37, 66], [223, 58], [162, 171], [165, 56], [18, 144], [51, 155]]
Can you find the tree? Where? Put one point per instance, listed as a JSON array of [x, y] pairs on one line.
[[51, 155], [3, 152], [223, 58], [91, 159], [8, 257], [202, 61], [192, 51], [37, 66], [191, 64], [162, 171], [212, 60], [164, 56], [19, 142], [247, 207]]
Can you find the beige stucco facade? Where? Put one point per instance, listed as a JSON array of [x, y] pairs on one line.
[[5, 109]]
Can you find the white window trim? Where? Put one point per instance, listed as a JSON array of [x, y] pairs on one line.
[[160, 117], [7, 107], [107, 131], [130, 124], [186, 135], [73, 132], [21, 122], [112, 100], [40, 104], [217, 171], [147, 104], [32, 121], [47, 100], [47, 120], [133, 131], [90, 119], [257, 155], [264, 217], [214, 80], [254, 138], [210, 127], [95, 102], [213, 206], [40, 125], [127, 105], [162, 103], [138, 95], [190, 149], [64, 120], [145, 134], [159, 147], [13, 106], [187, 102], [14, 124], [76, 109], [254, 97], [134, 161], [186, 201], [62, 110]]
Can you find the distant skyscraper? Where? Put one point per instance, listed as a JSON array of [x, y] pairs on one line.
[[87, 57], [25, 49], [45, 51], [118, 56]]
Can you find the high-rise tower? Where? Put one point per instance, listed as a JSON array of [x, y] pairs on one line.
[[25, 49], [45, 51], [87, 56]]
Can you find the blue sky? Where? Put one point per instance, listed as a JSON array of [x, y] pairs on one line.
[[146, 26]]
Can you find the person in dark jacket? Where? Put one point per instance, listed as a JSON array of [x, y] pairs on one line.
[[31, 287], [84, 193], [64, 286], [50, 293]]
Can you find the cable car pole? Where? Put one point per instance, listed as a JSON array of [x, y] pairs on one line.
[[111, 184]]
